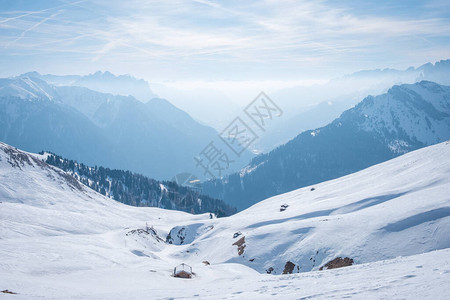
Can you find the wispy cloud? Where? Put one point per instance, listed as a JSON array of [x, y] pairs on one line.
[[33, 27], [221, 37]]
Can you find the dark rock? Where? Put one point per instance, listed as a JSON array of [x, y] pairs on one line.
[[288, 268], [338, 262], [241, 245]]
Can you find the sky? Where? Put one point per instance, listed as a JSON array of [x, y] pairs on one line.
[[208, 42]]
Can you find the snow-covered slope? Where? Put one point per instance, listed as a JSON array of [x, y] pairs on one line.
[[42, 200], [59, 240], [27, 88], [417, 112], [400, 207]]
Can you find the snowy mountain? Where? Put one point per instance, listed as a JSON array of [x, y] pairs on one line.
[[315, 106], [358, 85], [33, 117], [105, 82], [379, 128], [26, 88], [62, 240], [154, 138], [138, 190]]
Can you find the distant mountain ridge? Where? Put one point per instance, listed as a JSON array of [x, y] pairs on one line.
[[406, 118], [35, 120], [315, 106], [360, 84], [105, 82], [154, 138]]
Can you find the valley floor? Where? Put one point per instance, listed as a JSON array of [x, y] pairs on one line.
[[423, 276]]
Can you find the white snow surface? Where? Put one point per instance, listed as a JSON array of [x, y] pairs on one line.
[[27, 88], [422, 114], [61, 240]]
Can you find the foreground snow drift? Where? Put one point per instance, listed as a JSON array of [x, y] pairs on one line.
[[58, 239]]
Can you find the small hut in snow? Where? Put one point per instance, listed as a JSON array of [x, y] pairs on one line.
[[183, 271]]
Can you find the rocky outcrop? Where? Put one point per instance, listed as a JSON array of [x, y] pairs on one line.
[[240, 245], [288, 267], [338, 262]]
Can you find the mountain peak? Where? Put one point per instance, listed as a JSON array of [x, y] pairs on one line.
[[27, 87], [31, 74], [415, 112], [124, 85], [101, 74]]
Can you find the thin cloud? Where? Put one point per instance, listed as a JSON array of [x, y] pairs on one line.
[[22, 35], [203, 33], [38, 12]]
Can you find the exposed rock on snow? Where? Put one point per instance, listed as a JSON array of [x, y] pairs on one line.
[[338, 262], [283, 207], [240, 245], [180, 235], [288, 267], [236, 234]]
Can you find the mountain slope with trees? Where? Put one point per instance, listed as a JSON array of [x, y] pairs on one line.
[[406, 118], [139, 190]]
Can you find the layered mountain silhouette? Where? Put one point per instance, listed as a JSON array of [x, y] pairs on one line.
[[104, 82], [406, 118], [315, 106], [154, 138]]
